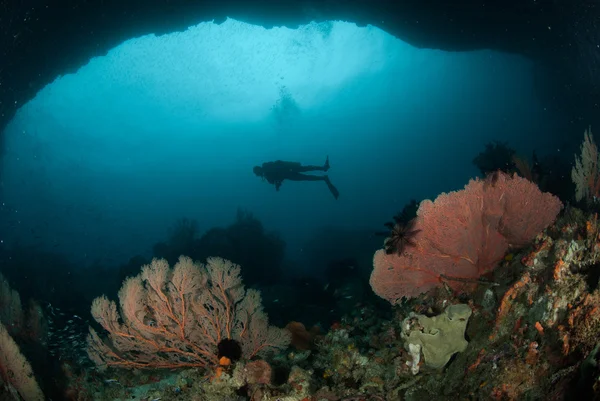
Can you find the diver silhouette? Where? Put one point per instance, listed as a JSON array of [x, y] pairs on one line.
[[278, 171]]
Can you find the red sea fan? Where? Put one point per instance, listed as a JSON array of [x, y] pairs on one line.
[[181, 318], [527, 210], [463, 235]]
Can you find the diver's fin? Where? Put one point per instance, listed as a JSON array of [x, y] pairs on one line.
[[326, 165], [332, 188]]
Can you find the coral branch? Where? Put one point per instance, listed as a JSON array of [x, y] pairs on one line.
[[15, 371]]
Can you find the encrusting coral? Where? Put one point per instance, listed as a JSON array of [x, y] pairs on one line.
[[439, 336]]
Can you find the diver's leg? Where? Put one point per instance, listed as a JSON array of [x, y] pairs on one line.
[[308, 177], [304, 169], [304, 177]]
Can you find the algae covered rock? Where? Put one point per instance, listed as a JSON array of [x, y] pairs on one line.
[[439, 337]]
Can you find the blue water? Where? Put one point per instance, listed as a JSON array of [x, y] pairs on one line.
[[102, 162]]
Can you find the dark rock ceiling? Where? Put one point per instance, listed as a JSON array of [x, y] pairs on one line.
[[41, 39]]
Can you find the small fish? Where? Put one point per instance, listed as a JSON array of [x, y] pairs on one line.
[[109, 381]]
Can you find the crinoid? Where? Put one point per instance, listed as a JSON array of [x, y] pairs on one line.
[[400, 236]]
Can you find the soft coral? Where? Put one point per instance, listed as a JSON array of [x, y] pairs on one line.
[[463, 235]]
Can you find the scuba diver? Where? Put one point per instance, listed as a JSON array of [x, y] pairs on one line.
[[278, 171]]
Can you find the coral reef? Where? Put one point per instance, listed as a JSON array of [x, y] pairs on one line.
[[496, 156], [530, 331], [491, 299], [245, 242]]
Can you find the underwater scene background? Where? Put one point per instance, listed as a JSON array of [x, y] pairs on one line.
[[165, 234]]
